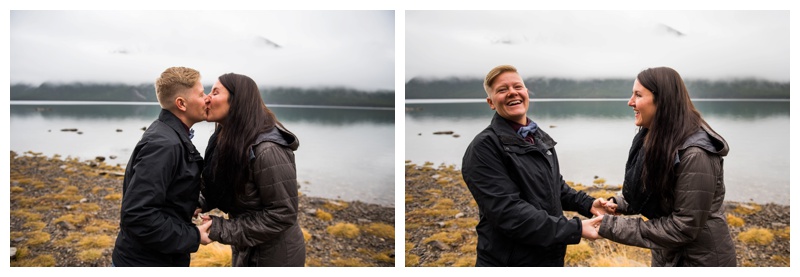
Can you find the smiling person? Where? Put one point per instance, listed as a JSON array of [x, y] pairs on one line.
[[251, 175], [511, 168], [161, 187], [674, 177]]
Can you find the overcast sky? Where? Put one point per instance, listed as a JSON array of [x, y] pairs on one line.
[[352, 49], [598, 44]]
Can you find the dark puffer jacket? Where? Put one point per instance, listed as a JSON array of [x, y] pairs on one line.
[[696, 232], [264, 230], [521, 197]]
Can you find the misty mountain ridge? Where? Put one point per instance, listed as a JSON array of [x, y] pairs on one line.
[[322, 96], [541, 87]]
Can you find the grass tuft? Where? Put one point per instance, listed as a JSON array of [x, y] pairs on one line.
[[381, 230], [759, 236], [344, 230], [445, 237], [71, 218], [113, 196], [578, 252], [90, 255], [735, 221], [348, 262], [97, 241], [38, 226], [412, 260], [324, 215], [39, 261], [37, 238], [213, 254], [747, 209], [306, 234]]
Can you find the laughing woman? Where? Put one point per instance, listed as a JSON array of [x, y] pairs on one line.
[[251, 175], [674, 177]]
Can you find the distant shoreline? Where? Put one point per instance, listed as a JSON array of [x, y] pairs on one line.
[[63, 102], [482, 100]]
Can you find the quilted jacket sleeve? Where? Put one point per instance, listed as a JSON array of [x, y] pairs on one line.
[[275, 176], [694, 194]]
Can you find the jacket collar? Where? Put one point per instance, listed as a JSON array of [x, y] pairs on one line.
[[708, 140], [279, 135], [177, 125], [507, 135]]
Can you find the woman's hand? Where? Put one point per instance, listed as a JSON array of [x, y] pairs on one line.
[[601, 206]]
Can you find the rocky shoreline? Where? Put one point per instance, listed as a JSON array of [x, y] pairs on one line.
[[65, 212], [441, 216]]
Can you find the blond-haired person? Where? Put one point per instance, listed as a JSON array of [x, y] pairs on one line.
[[161, 187], [511, 168]]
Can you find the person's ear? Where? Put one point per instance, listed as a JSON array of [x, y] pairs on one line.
[[180, 103], [489, 100]]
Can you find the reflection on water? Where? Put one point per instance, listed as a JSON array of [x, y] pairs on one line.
[[603, 109], [344, 153], [593, 139]]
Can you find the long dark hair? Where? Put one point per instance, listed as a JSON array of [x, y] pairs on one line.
[[247, 118], [675, 120]]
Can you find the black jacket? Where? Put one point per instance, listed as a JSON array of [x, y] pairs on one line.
[[159, 195], [521, 196]]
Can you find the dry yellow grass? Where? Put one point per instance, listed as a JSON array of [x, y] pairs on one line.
[[783, 260], [783, 233], [464, 222], [213, 254], [466, 261], [348, 262], [306, 234], [347, 230], [39, 261], [412, 260], [336, 205], [605, 194], [756, 235], [96, 189], [384, 256], [74, 219], [747, 209], [71, 239], [28, 216], [90, 255], [113, 196], [38, 226], [87, 207], [37, 238], [96, 241], [16, 189], [100, 226], [599, 181], [735, 221], [445, 237], [381, 230], [23, 252], [578, 252], [324, 215]]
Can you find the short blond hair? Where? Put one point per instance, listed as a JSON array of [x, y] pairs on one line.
[[173, 81], [496, 71]]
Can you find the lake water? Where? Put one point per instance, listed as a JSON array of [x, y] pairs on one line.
[[594, 138], [345, 153]]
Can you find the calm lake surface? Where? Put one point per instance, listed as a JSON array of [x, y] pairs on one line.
[[345, 153], [593, 138]]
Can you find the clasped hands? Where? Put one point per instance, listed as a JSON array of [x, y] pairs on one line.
[[204, 228], [591, 227]]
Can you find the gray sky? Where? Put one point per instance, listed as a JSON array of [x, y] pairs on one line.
[[598, 44], [352, 49]]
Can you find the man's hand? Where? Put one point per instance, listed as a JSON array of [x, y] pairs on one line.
[[601, 206], [591, 228], [204, 231]]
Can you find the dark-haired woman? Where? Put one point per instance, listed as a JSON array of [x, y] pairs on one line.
[[674, 178], [250, 174]]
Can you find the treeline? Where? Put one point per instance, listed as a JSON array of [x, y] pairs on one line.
[[146, 93], [599, 88]]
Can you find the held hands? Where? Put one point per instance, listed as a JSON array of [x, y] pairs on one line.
[[591, 228], [601, 206], [205, 229]]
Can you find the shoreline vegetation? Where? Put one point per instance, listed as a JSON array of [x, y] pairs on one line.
[[65, 212], [441, 216], [332, 96]]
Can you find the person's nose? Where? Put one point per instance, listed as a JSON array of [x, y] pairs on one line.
[[631, 103], [207, 99]]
